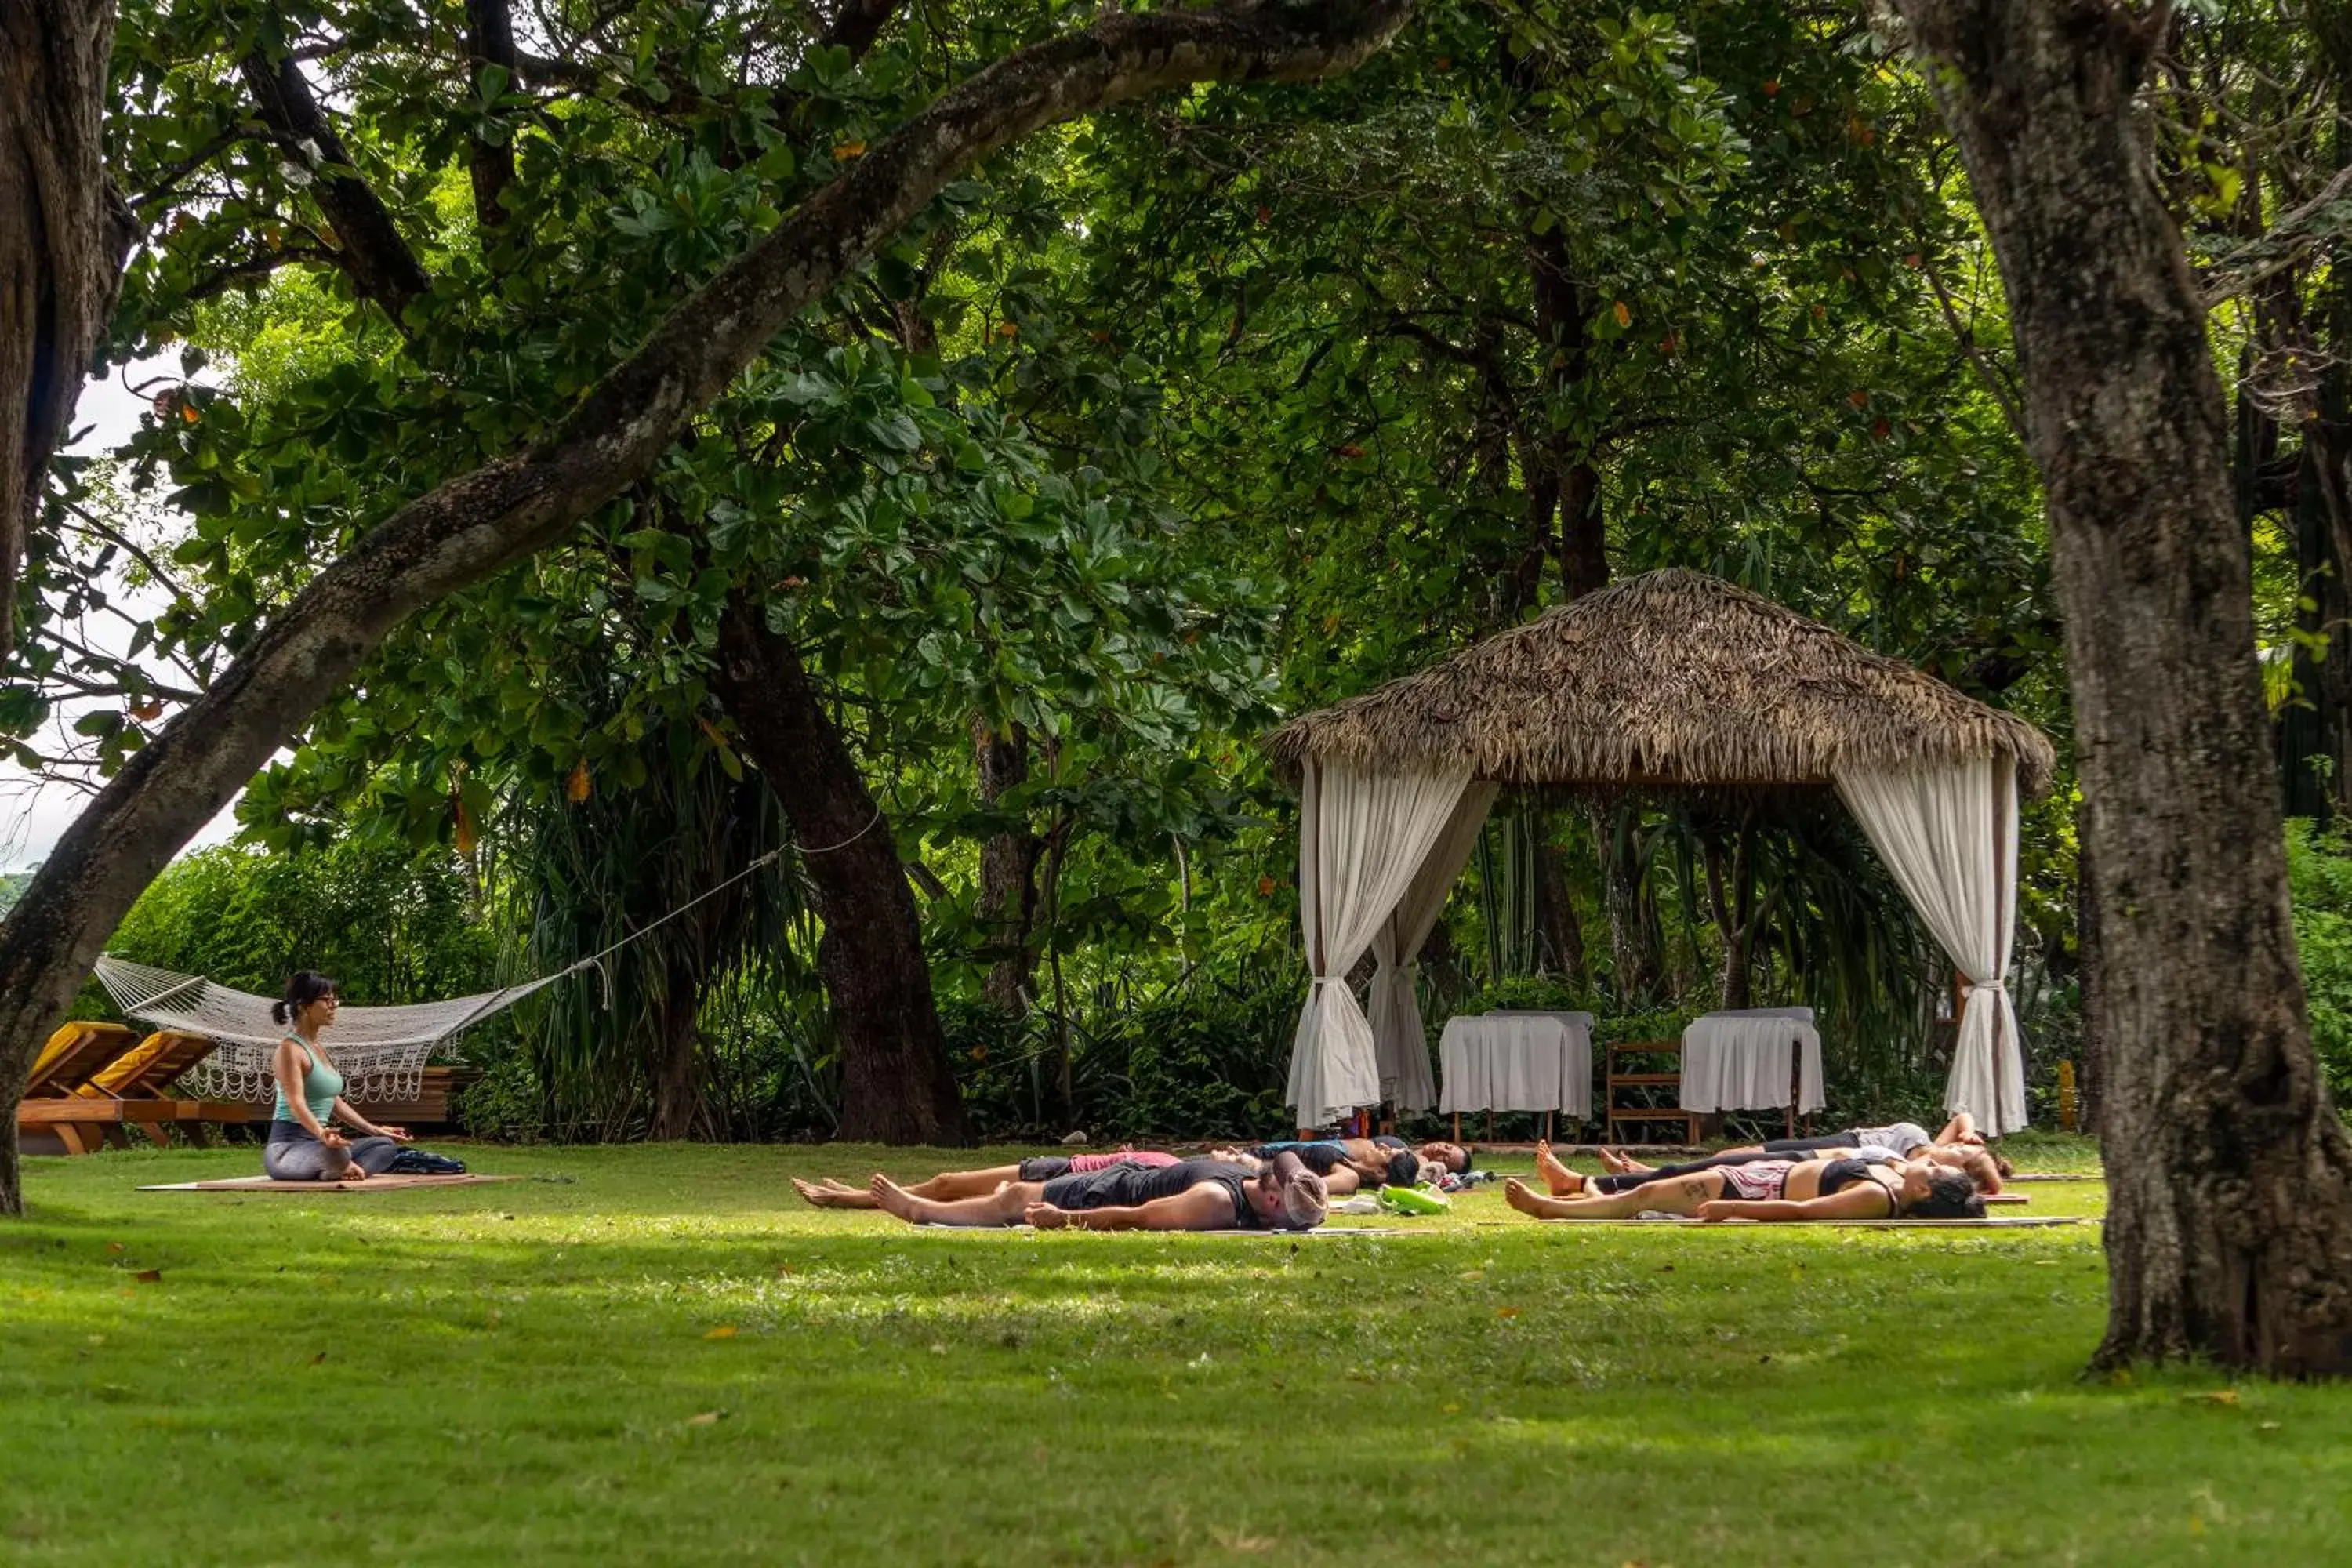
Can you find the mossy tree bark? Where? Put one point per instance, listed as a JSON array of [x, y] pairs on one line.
[[2228, 1228], [895, 1084]]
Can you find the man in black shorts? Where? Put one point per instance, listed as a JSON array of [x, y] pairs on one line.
[[1197, 1194]]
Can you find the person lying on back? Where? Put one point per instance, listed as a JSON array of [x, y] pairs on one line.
[[1980, 1164], [1772, 1188], [829, 1194], [1346, 1165], [1194, 1194]]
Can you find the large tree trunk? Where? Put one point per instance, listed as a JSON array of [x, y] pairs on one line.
[[1636, 965], [2228, 1228], [63, 235], [471, 526], [678, 1046], [1008, 871], [1559, 935], [895, 1084]]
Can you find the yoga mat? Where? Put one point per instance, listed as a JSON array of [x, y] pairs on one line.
[[1320, 1230], [2055, 1177], [372, 1184], [2019, 1224]]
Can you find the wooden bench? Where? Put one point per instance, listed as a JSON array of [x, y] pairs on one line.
[[430, 1107], [1619, 1111], [84, 1123]]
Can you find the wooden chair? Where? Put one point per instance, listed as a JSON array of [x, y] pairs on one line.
[[95, 1081], [73, 1055], [148, 1070], [1640, 1111], [76, 1053]]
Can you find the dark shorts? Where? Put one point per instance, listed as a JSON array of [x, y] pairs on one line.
[[1046, 1167], [1809, 1145]]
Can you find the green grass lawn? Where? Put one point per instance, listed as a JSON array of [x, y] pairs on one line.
[[656, 1354]]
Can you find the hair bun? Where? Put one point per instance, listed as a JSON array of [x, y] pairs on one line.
[[278, 1012]]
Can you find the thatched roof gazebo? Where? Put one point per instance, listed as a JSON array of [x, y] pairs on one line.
[[1673, 681]]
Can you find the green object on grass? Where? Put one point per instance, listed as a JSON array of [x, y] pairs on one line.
[[1413, 1200]]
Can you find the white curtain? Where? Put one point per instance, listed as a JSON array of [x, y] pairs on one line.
[[1399, 1044], [1362, 836], [1948, 832]]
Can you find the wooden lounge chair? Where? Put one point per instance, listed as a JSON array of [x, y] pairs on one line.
[[93, 1081], [73, 1055], [148, 1070], [76, 1053]]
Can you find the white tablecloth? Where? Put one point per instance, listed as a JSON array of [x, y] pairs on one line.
[[1740, 1061], [1517, 1061]]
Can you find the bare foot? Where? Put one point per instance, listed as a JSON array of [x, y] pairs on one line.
[[1619, 1164], [889, 1195], [1563, 1182], [832, 1195], [1517, 1193]]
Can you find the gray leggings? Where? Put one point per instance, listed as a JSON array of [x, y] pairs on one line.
[[293, 1155]]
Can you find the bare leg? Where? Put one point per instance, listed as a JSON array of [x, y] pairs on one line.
[[831, 1195], [1561, 1181], [1002, 1206], [949, 1186], [945, 1187], [1342, 1181], [1682, 1196]]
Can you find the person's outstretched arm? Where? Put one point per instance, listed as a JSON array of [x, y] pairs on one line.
[[1864, 1200], [1205, 1207], [1960, 1129], [361, 1125]]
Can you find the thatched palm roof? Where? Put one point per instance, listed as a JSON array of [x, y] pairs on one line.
[[1671, 680]]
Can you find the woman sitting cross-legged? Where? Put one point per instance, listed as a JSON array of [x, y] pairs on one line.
[[1193, 1195], [1769, 1188], [949, 1186], [303, 1146]]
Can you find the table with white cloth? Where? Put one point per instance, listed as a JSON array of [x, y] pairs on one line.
[[1747, 1059], [1517, 1061]]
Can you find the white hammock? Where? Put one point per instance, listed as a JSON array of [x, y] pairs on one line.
[[381, 1051]]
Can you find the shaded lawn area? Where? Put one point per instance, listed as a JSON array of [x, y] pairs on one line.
[[659, 1354]]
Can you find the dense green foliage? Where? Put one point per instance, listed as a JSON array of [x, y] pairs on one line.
[[2319, 866], [1155, 427]]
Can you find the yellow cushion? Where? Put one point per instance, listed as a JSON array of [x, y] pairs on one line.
[[64, 1040]]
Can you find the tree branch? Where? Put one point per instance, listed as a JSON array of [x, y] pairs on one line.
[[378, 260], [489, 42], [473, 525]]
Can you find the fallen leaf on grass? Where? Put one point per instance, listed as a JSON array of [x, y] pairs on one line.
[[2211, 1396], [723, 1332], [1506, 1312], [319, 1357], [114, 1247], [1240, 1541], [149, 1277], [708, 1418]]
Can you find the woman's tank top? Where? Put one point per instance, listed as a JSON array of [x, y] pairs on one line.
[[320, 1084]]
